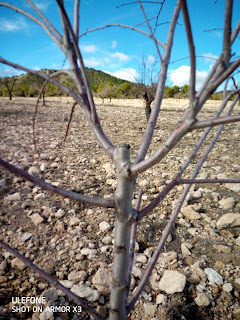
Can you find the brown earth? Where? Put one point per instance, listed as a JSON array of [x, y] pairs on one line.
[[79, 164]]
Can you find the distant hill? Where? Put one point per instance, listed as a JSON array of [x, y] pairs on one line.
[[97, 77], [103, 85], [29, 85]]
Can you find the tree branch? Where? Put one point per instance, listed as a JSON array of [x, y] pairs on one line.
[[192, 155], [147, 137], [133, 242], [178, 132], [215, 84], [93, 118], [214, 122], [51, 27], [39, 22], [69, 122], [99, 202], [38, 99], [227, 32], [195, 181], [76, 18], [150, 29], [235, 32], [53, 281], [172, 220], [46, 77], [154, 258], [158, 198], [125, 27], [192, 55], [68, 26], [134, 2]]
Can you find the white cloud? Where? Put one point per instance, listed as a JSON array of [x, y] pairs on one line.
[[92, 62], [181, 76], [89, 49], [151, 59], [128, 74], [209, 57], [114, 44], [14, 25], [43, 6], [36, 68], [120, 56]]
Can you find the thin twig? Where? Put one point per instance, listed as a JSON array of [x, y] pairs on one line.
[[195, 181], [122, 26], [37, 102], [148, 134], [53, 281], [70, 119], [134, 2], [42, 16], [158, 15], [150, 29]]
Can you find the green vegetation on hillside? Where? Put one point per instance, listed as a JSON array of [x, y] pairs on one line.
[[103, 85]]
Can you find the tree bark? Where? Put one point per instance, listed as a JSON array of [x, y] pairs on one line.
[[124, 219], [148, 109]]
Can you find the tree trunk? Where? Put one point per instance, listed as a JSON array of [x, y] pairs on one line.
[[124, 219], [148, 109]]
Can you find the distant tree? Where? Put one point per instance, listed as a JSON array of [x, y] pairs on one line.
[[8, 80], [170, 92], [94, 88], [125, 89], [185, 90], [148, 81]]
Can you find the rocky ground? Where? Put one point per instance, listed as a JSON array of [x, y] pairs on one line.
[[73, 242]]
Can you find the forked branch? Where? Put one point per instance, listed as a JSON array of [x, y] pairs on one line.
[[148, 134], [173, 218]]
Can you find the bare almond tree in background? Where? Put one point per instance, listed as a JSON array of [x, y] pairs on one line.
[[148, 81], [8, 79], [127, 217]]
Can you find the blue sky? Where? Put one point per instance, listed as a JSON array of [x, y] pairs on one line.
[[115, 50]]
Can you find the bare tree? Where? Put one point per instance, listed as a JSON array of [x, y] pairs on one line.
[[149, 74], [127, 217], [8, 79], [106, 90]]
